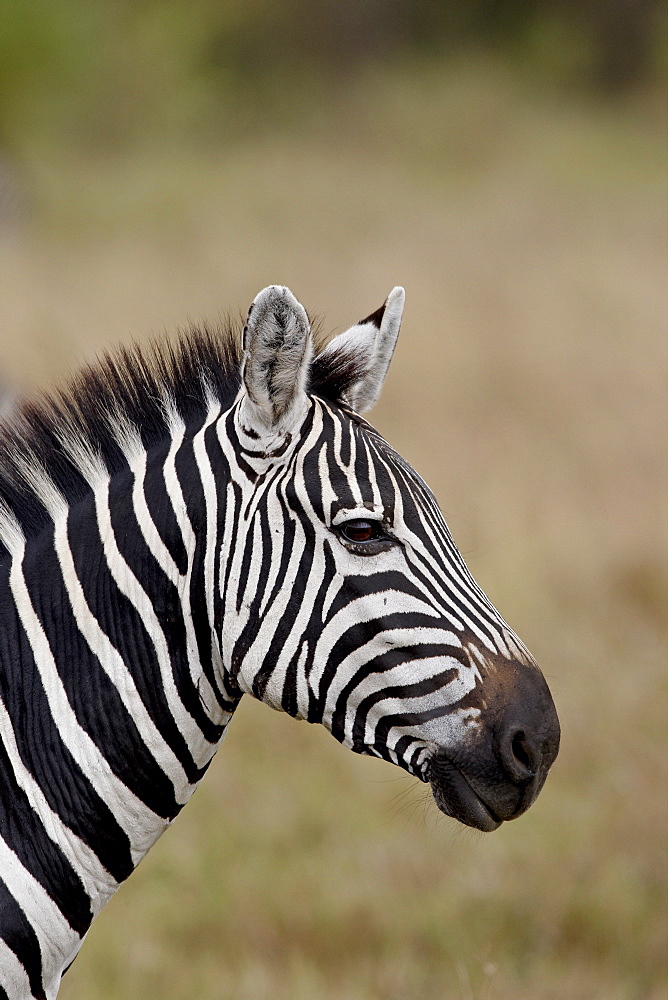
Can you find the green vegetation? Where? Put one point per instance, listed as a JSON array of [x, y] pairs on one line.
[[528, 226], [92, 74]]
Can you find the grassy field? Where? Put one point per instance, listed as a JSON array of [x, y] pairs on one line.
[[528, 390]]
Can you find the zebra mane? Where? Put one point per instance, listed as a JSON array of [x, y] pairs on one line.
[[137, 387]]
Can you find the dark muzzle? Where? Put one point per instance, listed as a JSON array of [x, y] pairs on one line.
[[498, 774]]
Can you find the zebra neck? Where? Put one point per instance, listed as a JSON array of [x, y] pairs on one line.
[[111, 706]]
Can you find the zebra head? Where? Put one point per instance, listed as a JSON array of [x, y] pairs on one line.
[[344, 597]]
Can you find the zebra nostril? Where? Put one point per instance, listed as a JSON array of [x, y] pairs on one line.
[[520, 755], [520, 749]]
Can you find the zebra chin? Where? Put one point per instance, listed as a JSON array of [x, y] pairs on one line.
[[455, 797], [482, 804]]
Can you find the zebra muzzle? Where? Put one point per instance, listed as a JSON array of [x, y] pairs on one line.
[[498, 775]]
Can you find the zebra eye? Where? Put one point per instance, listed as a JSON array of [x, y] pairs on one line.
[[360, 531]]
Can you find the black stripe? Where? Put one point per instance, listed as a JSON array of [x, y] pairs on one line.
[[346, 434], [384, 482], [354, 587], [317, 620], [221, 472], [238, 449], [23, 832], [478, 619], [401, 750], [192, 485], [360, 633], [412, 720], [433, 590], [19, 936], [187, 471], [244, 573], [235, 513], [266, 555], [393, 657], [291, 611], [250, 629], [401, 747], [65, 787], [174, 631], [125, 627], [160, 505], [93, 697], [363, 472], [405, 692]]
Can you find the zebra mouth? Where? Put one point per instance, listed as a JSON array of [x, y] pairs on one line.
[[455, 797]]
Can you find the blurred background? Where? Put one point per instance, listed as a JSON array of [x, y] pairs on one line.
[[161, 162]]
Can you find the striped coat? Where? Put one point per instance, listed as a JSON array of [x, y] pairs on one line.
[[183, 527]]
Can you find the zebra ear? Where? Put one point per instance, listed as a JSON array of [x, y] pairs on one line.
[[277, 348], [372, 341]]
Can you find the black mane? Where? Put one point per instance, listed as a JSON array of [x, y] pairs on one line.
[[133, 383]]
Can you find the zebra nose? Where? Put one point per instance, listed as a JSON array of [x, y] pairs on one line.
[[527, 746], [526, 733]]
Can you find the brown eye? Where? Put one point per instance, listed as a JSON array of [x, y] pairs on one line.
[[360, 531]]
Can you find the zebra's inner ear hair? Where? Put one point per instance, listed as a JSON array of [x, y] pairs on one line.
[[372, 342], [277, 348]]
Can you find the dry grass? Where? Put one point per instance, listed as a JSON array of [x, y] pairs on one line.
[[527, 390]]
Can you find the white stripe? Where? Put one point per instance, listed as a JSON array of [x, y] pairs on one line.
[[150, 533], [232, 517], [175, 493], [58, 942], [140, 823], [128, 584], [266, 627], [377, 499], [459, 577], [13, 977], [95, 878], [209, 488], [448, 723], [406, 673], [173, 486], [11, 532], [164, 559], [275, 516], [349, 468], [368, 607], [114, 667], [456, 583], [452, 730]]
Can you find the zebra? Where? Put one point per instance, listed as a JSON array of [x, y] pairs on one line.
[[195, 521]]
